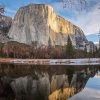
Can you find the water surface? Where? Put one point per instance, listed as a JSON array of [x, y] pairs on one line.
[[91, 90], [29, 82]]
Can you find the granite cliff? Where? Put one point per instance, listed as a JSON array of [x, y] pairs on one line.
[[5, 24], [39, 23]]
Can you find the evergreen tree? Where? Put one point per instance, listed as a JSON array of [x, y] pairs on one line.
[[69, 49], [49, 47], [85, 52], [96, 52], [1, 46], [90, 54], [99, 52], [49, 43]]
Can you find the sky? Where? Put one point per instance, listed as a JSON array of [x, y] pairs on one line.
[[91, 90], [88, 19], [93, 37]]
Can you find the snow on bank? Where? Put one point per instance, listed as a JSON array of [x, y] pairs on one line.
[[86, 61]]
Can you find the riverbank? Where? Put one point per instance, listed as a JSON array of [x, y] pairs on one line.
[[86, 61]]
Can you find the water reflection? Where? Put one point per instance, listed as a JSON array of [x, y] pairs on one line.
[[91, 90], [43, 82]]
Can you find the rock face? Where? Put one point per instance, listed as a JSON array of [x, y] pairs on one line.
[[5, 24], [39, 23]]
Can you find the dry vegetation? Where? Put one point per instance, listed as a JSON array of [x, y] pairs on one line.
[[18, 50]]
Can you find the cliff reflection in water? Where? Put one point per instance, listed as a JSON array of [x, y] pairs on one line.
[[43, 82]]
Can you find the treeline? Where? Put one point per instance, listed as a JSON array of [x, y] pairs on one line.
[[19, 50]]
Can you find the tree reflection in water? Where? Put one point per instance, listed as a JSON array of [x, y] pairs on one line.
[[23, 82]]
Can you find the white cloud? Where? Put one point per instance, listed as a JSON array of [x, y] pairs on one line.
[[96, 43], [90, 21]]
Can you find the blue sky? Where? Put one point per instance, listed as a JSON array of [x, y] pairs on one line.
[[94, 83], [88, 20], [13, 5], [93, 37], [91, 90]]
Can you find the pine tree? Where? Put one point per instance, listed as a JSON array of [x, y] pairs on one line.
[[90, 54], [49, 47], [69, 49], [99, 52], [49, 43], [1, 46], [96, 52], [85, 52]]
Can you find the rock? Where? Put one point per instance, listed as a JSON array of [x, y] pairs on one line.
[[5, 24], [39, 23]]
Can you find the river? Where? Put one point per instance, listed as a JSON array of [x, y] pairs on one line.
[[49, 82], [91, 90]]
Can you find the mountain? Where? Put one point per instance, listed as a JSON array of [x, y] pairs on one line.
[[5, 24], [40, 24]]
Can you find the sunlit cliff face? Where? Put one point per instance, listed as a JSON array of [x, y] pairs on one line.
[[39, 22], [42, 82]]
